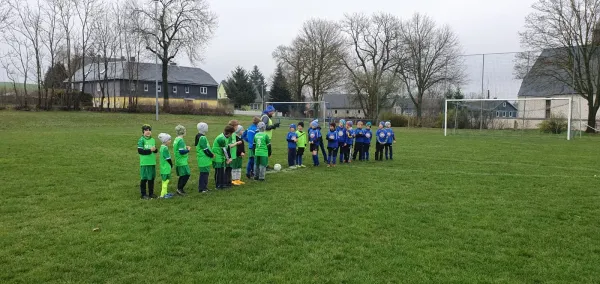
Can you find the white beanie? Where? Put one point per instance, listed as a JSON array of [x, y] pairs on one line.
[[239, 129], [164, 137], [180, 130], [202, 128]]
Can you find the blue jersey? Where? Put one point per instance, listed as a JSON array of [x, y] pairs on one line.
[[248, 135], [332, 138], [290, 140], [381, 136], [350, 136], [368, 136], [341, 134], [390, 135], [359, 133], [314, 135]]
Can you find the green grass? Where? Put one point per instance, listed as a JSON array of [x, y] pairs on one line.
[[9, 86], [447, 209]]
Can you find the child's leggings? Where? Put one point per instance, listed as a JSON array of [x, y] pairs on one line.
[[203, 181], [182, 181], [299, 155], [250, 165], [331, 155], [379, 151], [291, 156], [365, 151], [347, 150], [357, 150], [150, 187], [388, 148], [220, 177]]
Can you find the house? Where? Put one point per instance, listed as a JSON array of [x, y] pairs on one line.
[[187, 85], [500, 109], [341, 106], [539, 84], [221, 93]]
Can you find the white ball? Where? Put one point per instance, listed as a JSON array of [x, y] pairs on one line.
[[277, 167]]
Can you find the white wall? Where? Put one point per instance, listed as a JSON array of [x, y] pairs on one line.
[[344, 113], [535, 111]]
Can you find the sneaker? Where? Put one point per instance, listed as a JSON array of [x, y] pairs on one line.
[[181, 192], [167, 196], [241, 182], [144, 197], [329, 166], [153, 196], [203, 191], [249, 176], [293, 167], [235, 182], [261, 180], [302, 166]]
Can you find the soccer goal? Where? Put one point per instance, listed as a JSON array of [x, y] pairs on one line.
[[301, 111], [559, 117]]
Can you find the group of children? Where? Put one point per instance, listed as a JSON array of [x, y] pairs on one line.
[[226, 154], [343, 138]]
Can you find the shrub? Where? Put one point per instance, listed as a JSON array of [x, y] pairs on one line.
[[554, 125], [397, 120]]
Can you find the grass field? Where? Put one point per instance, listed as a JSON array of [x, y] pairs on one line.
[[447, 209]]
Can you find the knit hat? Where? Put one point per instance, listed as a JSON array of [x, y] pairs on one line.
[[382, 123], [146, 127], [261, 126], [349, 123], [369, 124], [202, 128], [270, 109], [239, 129], [179, 130], [164, 137], [343, 121], [293, 126], [314, 123], [388, 124]]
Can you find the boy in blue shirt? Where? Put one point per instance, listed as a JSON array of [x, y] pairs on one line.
[[381, 139], [391, 138], [313, 138], [341, 130], [359, 140], [332, 146], [292, 139], [367, 142], [349, 141], [248, 136]]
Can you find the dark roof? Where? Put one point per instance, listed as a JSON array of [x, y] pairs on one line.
[[146, 72], [339, 101], [537, 82]]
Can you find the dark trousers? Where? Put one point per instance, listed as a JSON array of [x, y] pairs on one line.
[[331, 155], [150, 187], [388, 149], [299, 155], [358, 148], [322, 146], [365, 151], [182, 182], [203, 182], [220, 178], [347, 150], [379, 152], [291, 157], [250, 165]]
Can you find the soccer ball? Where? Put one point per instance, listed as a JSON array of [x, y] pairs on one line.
[[277, 167]]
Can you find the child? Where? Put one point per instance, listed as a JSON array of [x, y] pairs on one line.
[[313, 139], [181, 159], [381, 141], [359, 141], [349, 141], [236, 166], [221, 151], [301, 143], [249, 138], [146, 148], [367, 142], [391, 138], [204, 157], [262, 146], [321, 143], [231, 141], [292, 139], [166, 165], [332, 146], [341, 130]]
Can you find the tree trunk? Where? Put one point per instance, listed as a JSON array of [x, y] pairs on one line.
[[591, 121], [165, 85]]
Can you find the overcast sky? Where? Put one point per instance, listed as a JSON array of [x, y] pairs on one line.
[[249, 31]]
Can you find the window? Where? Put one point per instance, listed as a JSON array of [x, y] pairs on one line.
[[187, 89], [497, 114], [145, 87], [203, 90], [504, 104], [347, 112], [98, 87], [336, 111], [359, 111], [510, 114], [159, 88], [548, 107], [174, 89], [132, 87], [503, 114]]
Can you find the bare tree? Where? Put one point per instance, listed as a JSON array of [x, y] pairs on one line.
[[104, 42], [131, 44], [428, 55], [569, 32], [86, 11], [4, 14], [66, 23], [51, 38], [182, 25], [292, 59], [523, 62], [322, 47], [28, 24], [17, 62], [373, 43]]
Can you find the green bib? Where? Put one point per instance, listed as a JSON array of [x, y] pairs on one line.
[[217, 149], [165, 167], [180, 160], [261, 142], [203, 160], [147, 144]]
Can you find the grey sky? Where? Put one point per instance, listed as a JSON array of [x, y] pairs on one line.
[[249, 31]]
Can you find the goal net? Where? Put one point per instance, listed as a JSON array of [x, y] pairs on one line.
[[293, 112], [556, 117]]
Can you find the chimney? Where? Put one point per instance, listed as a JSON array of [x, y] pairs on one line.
[[132, 59]]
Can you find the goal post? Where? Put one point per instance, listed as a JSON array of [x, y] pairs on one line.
[[524, 116]]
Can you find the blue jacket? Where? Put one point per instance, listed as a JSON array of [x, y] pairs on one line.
[[248, 135], [381, 136], [360, 135], [390, 135], [291, 143], [341, 134], [314, 135], [350, 136], [332, 138], [368, 136]]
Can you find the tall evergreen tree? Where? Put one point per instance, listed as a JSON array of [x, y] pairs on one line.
[[279, 89], [55, 76], [258, 81], [239, 89]]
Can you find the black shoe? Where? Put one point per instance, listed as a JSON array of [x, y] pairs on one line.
[[181, 192], [203, 191], [153, 196], [261, 180]]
